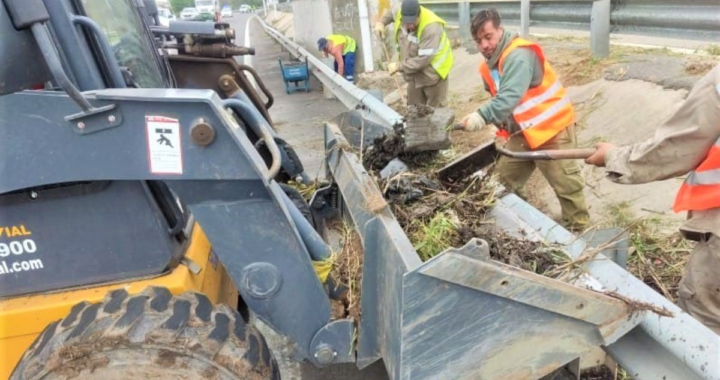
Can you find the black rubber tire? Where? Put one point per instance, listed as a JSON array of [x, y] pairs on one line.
[[150, 335]]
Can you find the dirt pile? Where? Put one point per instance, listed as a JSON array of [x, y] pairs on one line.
[[381, 80], [388, 85]]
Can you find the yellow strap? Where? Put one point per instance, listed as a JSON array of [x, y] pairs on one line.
[[323, 268]]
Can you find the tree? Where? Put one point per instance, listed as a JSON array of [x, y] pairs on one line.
[[178, 5]]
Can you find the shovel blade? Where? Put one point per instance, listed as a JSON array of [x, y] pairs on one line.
[[469, 163]]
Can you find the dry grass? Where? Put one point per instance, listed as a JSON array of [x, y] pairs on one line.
[[699, 68], [584, 109], [581, 68], [657, 257], [347, 270], [306, 190], [713, 50]]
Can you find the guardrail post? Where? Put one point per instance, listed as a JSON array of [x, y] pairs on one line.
[[464, 21], [525, 18], [600, 29]]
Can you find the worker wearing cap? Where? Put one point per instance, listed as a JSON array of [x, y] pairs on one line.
[[532, 110], [425, 52], [686, 143], [342, 48]]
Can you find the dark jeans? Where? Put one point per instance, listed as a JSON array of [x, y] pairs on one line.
[[349, 61]]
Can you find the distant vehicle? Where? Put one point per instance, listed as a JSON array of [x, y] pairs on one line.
[[207, 6], [189, 13], [244, 8], [226, 11], [165, 15]]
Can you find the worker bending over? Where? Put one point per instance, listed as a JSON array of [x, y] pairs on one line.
[[342, 48]]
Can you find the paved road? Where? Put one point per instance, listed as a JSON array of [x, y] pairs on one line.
[[298, 118]]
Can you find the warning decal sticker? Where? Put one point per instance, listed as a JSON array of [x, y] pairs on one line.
[[164, 148]]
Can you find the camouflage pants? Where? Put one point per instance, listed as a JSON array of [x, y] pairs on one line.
[[434, 96], [563, 176], [699, 288]]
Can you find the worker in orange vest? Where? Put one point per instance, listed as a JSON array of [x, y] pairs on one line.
[[532, 110], [686, 143]]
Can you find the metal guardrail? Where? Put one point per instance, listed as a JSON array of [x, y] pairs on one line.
[[462, 13], [687, 19], [351, 96]]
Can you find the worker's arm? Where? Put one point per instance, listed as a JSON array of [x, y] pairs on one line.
[[388, 17], [679, 145], [336, 52], [427, 49], [515, 82]]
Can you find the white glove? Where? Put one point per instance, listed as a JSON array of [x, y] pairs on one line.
[[393, 67], [472, 122], [379, 29]]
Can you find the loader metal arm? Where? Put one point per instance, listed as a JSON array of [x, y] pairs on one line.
[[222, 179]]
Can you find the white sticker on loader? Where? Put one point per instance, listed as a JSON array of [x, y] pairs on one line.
[[164, 149]]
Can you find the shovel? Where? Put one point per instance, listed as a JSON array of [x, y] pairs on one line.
[[485, 154]]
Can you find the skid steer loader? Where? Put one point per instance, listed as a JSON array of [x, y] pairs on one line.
[[143, 215]]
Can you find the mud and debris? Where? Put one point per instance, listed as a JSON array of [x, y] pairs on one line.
[[417, 111], [596, 373], [599, 373], [392, 146], [417, 144], [384, 149], [347, 273], [437, 216], [533, 256]]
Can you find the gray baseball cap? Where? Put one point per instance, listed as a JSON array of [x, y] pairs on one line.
[[410, 10]]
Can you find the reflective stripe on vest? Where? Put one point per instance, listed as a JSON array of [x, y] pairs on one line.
[[349, 44], [443, 57], [701, 189], [544, 111]]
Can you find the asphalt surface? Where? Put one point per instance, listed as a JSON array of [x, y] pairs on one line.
[[298, 118]]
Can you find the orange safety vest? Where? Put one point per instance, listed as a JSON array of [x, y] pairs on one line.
[[701, 189], [544, 111]]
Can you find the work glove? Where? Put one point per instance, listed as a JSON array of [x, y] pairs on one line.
[[472, 122], [393, 67], [501, 137], [379, 29]]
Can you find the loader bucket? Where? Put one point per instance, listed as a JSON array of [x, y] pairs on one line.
[[461, 315]]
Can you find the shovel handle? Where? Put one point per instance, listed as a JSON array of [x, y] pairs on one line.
[[559, 154], [569, 154]]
